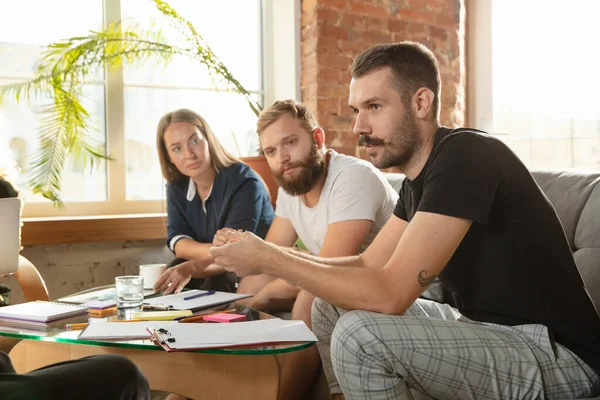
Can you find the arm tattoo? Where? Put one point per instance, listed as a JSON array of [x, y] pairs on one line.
[[425, 281]]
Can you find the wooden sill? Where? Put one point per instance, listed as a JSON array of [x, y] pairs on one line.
[[106, 228]]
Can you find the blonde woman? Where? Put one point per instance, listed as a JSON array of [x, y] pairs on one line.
[[207, 189]]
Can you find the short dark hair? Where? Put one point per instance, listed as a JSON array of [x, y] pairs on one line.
[[412, 64]]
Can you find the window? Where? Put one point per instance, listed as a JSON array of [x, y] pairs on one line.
[[533, 79], [127, 104]]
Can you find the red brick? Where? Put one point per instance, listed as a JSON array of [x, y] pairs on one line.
[[334, 61], [336, 4], [360, 7], [327, 45], [416, 28], [329, 75], [419, 5], [397, 26], [446, 17], [331, 106], [308, 5], [308, 18], [354, 48], [309, 45], [328, 16], [438, 33], [418, 16], [373, 37], [310, 61], [310, 31], [333, 32], [379, 24], [333, 91], [351, 20]]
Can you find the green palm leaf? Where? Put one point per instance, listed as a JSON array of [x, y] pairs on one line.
[[65, 68]]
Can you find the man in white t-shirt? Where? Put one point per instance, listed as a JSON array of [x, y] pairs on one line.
[[335, 204]]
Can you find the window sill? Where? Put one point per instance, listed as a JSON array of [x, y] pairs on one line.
[[105, 228]]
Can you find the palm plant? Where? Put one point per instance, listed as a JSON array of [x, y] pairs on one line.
[[67, 65]]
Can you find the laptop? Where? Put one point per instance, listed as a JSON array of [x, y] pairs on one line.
[[10, 220]]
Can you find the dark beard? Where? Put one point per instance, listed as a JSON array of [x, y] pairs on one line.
[[311, 169], [400, 148]]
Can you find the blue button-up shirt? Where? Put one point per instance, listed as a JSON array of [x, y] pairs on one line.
[[238, 200]]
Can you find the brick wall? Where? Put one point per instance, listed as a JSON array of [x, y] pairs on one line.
[[335, 31]]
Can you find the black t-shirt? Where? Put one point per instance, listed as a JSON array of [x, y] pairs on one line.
[[515, 265]]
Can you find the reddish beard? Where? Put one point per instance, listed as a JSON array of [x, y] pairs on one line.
[[310, 170]]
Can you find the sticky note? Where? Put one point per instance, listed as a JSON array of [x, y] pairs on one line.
[[225, 317]]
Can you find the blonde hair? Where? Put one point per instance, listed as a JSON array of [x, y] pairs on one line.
[[219, 157], [282, 107]]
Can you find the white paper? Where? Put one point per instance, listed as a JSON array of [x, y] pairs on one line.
[[122, 330], [197, 336], [177, 302]]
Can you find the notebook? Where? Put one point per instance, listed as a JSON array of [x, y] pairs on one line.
[[181, 337], [177, 302], [41, 311]]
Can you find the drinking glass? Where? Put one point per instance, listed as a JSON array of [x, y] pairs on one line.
[[130, 291]]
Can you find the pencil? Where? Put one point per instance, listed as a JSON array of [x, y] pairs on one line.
[[200, 318], [77, 327]]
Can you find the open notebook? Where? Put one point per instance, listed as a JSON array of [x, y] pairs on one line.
[[178, 302], [41, 311], [181, 337]]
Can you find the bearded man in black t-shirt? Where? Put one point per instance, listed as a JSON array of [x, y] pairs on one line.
[[520, 323]]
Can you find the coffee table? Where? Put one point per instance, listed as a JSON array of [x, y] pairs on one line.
[[250, 372]]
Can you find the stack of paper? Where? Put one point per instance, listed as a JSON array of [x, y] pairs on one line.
[[121, 330], [203, 336]]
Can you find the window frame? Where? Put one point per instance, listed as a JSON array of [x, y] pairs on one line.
[[280, 79]]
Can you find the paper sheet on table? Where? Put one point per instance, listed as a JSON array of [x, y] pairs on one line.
[[177, 302], [207, 335], [121, 330]]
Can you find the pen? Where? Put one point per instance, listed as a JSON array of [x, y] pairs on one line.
[[201, 317], [158, 307], [200, 295]]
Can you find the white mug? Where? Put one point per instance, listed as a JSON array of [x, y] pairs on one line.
[[151, 273]]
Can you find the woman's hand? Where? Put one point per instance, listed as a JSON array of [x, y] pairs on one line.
[[174, 279]]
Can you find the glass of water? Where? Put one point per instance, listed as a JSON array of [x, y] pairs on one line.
[[130, 291]]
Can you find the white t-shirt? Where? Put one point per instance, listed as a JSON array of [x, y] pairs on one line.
[[354, 189]]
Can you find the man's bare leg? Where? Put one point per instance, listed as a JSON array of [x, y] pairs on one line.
[[300, 369]]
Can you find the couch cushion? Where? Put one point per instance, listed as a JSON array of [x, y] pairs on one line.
[[568, 191], [588, 262], [587, 233]]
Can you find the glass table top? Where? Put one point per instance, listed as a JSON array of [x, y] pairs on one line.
[[56, 332]]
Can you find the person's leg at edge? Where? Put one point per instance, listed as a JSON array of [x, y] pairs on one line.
[[324, 317], [102, 377], [377, 356], [300, 369]]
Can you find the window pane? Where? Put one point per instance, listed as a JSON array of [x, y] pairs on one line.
[[19, 125], [227, 114], [215, 21], [21, 42], [545, 81]]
